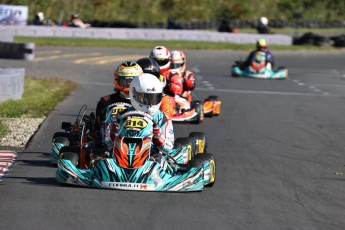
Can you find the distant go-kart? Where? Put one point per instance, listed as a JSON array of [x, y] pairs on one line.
[[130, 165], [210, 107], [258, 69]]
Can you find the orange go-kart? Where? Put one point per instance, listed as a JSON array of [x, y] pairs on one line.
[[191, 110]]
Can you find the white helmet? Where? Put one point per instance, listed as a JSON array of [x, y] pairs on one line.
[[178, 60], [146, 93], [162, 56], [264, 21]]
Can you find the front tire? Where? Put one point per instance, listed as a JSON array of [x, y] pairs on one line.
[[71, 156], [201, 142], [209, 157]]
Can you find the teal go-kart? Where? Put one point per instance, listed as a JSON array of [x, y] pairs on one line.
[[258, 69], [81, 136], [131, 165]]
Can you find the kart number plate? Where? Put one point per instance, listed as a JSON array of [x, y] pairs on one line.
[[135, 123], [117, 109]]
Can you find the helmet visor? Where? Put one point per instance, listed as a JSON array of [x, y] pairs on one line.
[[162, 62], [175, 65], [147, 98], [124, 81]]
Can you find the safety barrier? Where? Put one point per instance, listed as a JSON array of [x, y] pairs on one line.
[[6, 36], [11, 83], [149, 34]]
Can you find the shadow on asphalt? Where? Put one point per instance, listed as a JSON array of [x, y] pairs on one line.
[[37, 180]]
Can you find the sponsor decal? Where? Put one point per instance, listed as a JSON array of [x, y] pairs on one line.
[[118, 109], [13, 15], [153, 89], [128, 185]]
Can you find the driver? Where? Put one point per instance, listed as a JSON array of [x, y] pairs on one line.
[[146, 94], [178, 64], [149, 65], [123, 76], [261, 45], [162, 56]]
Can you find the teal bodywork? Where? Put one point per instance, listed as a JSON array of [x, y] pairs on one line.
[[258, 69], [121, 171]]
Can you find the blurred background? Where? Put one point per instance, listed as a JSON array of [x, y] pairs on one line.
[[242, 15]]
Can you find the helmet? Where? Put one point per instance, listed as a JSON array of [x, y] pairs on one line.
[[149, 65], [146, 93], [264, 21], [261, 44], [162, 56], [178, 60], [124, 74], [74, 15]]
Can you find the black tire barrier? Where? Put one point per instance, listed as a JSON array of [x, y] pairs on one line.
[[338, 41], [312, 39], [13, 50]]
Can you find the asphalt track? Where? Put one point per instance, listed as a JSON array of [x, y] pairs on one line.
[[279, 146]]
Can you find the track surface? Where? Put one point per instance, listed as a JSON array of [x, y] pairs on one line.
[[279, 147]]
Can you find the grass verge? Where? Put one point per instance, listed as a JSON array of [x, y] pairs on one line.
[[148, 44], [40, 97]]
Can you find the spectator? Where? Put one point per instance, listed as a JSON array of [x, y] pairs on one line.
[[172, 25], [225, 26], [39, 19], [263, 27], [76, 22]]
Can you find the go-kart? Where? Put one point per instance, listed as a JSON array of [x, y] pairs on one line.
[[258, 69], [197, 109], [131, 165], [81, 137]]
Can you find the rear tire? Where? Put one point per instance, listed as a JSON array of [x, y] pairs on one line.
[[201, 142], [198, 106], [209, 157]]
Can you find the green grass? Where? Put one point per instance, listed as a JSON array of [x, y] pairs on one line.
[[148, 44], [40, 97]]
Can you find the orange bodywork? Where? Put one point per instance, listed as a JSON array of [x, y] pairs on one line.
[[140, 153], [212, 106]]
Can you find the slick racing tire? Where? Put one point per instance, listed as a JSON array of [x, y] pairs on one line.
[[73, 157], [61, 137], [189, 142], [198, 106], [209, 157], [195, 164], [200, 141]]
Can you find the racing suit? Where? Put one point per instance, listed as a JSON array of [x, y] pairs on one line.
[[103, 106], [104, 103], [180, 84], [269, 58]]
